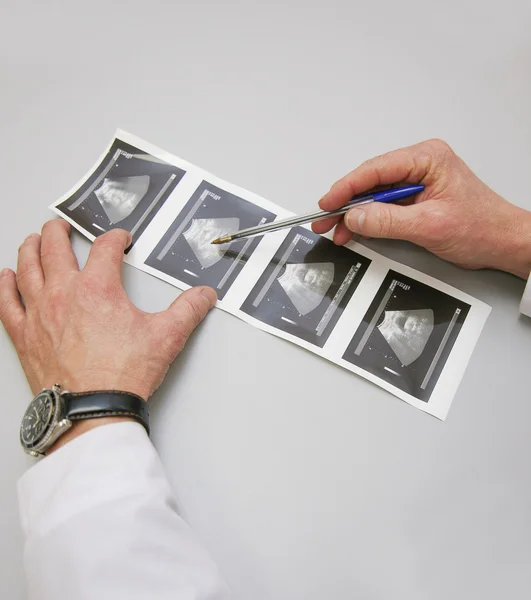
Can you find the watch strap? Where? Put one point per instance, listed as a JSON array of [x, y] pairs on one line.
[[105, 403]]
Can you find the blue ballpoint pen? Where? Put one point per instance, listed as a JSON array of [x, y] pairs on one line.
[[392, 195]]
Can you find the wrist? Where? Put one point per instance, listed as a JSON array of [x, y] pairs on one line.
[[54, 417], [515, 255], [96, 379]]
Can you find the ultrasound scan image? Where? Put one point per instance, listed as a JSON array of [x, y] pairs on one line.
[[407, 334], [185, 251], [126, 190], [200, 235], [119, 196], [306, 287]]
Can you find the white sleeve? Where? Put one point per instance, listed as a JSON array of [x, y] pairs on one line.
[[100, 522], [525, 304]]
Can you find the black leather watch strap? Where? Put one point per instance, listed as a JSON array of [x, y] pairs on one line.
[[106, 403]]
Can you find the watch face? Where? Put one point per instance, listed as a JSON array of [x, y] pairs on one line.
[[37, 419]]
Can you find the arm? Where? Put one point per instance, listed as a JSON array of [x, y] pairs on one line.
[[457, 217], [100, 521], [98, 515]]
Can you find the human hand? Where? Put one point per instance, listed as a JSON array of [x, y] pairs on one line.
[[79, 328], [457, 217]]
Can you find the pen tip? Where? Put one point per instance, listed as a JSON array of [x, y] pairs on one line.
[[222, 240]]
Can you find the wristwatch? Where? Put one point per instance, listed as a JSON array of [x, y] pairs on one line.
[[52, 412]]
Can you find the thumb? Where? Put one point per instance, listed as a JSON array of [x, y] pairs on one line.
[[185, 313], [381, 220]]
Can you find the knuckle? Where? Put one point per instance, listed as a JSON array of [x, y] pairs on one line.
[[28, 241], [107, 240], [369, 162], [95, 287], [50, 225], [28, 270], [110, 244], [50, 249], [339, 186], [386, 226], [440, 147], [90, 285], [5, 309], [193, 312], [57, 297], [112, 238], [376, 162], [54, 225], [54, 305]]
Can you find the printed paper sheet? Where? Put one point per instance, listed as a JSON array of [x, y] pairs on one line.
[[401, 329]]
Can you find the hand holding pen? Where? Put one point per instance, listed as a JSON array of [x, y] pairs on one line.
[[453, 214], [457, 216], [391, 195]]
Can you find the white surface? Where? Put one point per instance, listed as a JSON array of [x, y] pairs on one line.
[[341, 335], [303, 481], [525, 304], [102, 508]]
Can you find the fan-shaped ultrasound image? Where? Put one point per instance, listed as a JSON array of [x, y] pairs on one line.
[[407, 334], [200, 235], [185, 251], [119, 196], [126, 190], [306, 286]]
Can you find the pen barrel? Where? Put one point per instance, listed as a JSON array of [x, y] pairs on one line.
[[390, 195], [320, 215]]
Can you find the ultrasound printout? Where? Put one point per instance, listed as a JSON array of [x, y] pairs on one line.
[[306, 286], [126, 190], [407, 334], [185, 251], [401, 329]]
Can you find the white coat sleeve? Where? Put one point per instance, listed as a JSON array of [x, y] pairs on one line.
[[100, 522], [525, 304]]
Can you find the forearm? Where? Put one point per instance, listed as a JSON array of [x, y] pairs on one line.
[[100, 521]]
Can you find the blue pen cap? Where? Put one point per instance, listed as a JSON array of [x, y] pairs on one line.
[[399, 193]]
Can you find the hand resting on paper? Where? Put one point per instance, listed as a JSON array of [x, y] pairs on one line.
[[457, 217], [79, 328]]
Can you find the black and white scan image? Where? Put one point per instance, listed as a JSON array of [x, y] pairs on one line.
[[185, 251], [126, 190], [305, 288], [407, 334]]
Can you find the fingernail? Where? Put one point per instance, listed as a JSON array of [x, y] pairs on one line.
[[355, 219], [320, 206], [4, 273], [210, 295]]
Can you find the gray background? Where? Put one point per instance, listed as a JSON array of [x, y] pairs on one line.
[[311, 483]]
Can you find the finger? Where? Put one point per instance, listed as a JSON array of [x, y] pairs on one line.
[[184, 315], [407, 164], [57, 255], [325, 225], [106, 255], [391, 221], [30, 278], [342, 234], [12, 311]]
